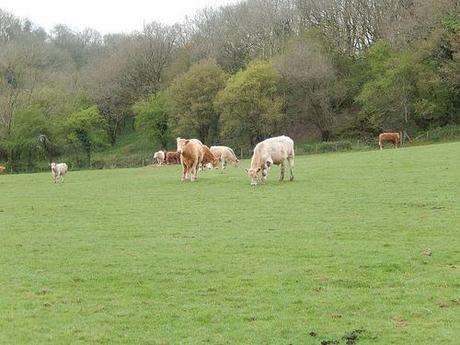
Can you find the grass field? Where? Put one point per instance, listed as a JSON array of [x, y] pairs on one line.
[[134, 256]]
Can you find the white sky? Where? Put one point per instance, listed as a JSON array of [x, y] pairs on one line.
[[106, 16]]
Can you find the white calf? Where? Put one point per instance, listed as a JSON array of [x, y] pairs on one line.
[[58, 171]]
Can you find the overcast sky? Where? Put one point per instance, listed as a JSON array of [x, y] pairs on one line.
[[106, 16]]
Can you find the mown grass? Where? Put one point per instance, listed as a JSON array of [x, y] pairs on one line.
[[134, 256]]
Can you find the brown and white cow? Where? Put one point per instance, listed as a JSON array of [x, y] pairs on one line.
[[58, 171], [172, 157], [159, 157], [226, 155], [209, 159], [191, 155], [278, 151], [394, 138]]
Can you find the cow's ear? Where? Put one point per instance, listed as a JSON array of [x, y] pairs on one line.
[[246, 170], [187, 141]]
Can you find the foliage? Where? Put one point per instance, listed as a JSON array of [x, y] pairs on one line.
[[31, 139], [152, 119], [323, 147], [192, 95], [86, 130], [311, 86], [250, 106], [344, 70]]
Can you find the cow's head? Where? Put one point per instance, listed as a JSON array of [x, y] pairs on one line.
[[181, 144], [215, 163], [236, 163], [254, 175]]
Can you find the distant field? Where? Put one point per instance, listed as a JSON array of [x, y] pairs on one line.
[[134, 256]]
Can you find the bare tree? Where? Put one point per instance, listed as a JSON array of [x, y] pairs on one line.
[[311, 85]]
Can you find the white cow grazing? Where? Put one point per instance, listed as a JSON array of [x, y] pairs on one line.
[[58, 171], [225, 154], [276, 151], [159, 157]]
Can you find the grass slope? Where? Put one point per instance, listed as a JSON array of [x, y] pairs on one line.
[[135, 256]]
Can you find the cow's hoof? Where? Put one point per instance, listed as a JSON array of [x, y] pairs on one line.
[[292, 178]]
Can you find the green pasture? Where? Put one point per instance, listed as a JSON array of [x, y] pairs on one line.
[[362, 248]]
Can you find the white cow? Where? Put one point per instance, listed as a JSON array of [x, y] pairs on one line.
[[225, 154], [159, 157], [58, 171], [276, 151]]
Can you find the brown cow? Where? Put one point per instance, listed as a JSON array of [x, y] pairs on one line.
[[209, 158], [2, 169], [191, 155], [394, 138], [172, 157]]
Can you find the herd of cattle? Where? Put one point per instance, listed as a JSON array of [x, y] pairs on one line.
[[194, 156]]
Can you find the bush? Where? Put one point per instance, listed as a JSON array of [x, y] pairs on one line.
[[322, 147], [441, 133]]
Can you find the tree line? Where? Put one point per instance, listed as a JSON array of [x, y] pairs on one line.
[[232, 75]]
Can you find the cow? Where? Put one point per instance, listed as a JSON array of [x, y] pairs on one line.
[[209, 159], [58, 171], [271, 151], [191, 154], [226, 155], [172, 157], [394, 138], [2, 169], [159, 157]]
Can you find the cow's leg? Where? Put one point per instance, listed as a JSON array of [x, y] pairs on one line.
[[264, 173], [184, 172], [291, 167], [282, 171], [381, 146], [194, 170]]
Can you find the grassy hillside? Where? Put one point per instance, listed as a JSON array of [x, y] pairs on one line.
[[136, 256]]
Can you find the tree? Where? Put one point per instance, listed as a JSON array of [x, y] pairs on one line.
[[192, 95], [31, 138], [86, 130], [250, 105], [311, 84], [152, 119], [387, 98]]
